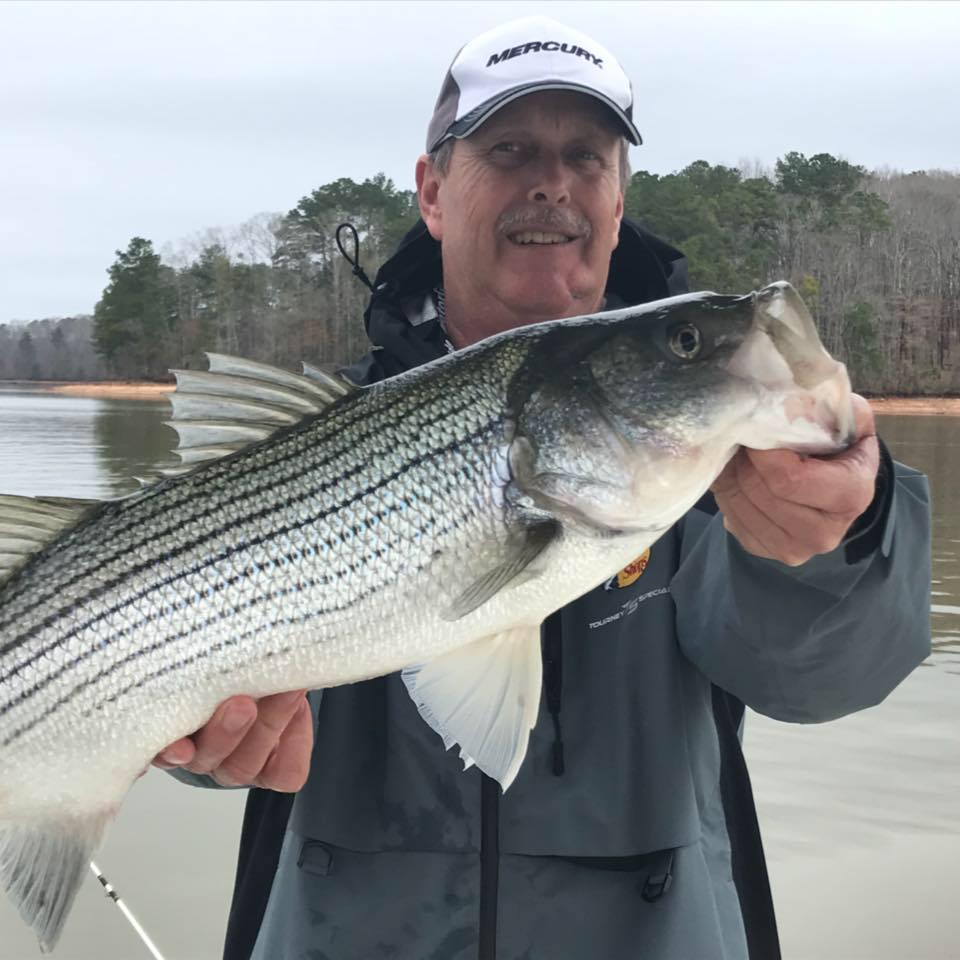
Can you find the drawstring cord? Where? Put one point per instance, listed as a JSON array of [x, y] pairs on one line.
[[354, 261], [553, 684]]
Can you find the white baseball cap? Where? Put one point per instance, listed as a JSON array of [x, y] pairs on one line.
[[522, 57]]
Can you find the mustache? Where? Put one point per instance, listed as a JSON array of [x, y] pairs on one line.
[[538, 217]]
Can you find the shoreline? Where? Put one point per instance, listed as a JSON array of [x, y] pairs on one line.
[[916, 406], [147, 390], [113, 389]]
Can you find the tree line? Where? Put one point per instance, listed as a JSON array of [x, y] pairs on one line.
[[876, 256], [51, 349]]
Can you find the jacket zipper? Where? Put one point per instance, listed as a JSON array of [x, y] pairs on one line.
[[489, 866]]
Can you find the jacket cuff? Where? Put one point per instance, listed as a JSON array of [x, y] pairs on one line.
[[198, 779], [865, 535]]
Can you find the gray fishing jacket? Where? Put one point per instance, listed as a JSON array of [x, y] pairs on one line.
[[630, 829]]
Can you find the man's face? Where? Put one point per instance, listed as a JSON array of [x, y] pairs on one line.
[[527, 214]]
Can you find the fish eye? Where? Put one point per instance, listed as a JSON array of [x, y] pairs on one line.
[[686, 341]]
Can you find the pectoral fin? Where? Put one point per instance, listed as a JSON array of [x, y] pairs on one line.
[[525, 547], [484, 697]]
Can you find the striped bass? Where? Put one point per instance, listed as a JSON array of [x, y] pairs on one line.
[[319, 534]]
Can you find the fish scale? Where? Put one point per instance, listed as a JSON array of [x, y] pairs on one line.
[[426, 524]]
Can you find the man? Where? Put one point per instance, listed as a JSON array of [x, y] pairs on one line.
[[630, 830]]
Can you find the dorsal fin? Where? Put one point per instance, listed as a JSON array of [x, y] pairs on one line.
[[336, 385], [28, 524], [238, 402]]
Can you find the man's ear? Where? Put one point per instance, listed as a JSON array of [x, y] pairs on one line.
[[428, 196]]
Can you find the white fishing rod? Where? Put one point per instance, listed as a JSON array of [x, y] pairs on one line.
[[125, 910]]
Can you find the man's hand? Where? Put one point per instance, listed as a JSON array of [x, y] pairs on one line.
[[788, 507], [260, 743]]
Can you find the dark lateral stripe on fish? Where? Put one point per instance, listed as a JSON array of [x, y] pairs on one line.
[[290, 453], [153, 648], [250, 604], [210, 621], [97, 592], [211, 478], [224, 554], [281, 505], [41, 685], [266, 487]]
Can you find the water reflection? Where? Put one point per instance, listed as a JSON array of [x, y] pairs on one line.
[[932, 444], [57, 445], [857, 812], [132, 440]]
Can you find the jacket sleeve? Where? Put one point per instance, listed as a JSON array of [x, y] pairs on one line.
[[198, 779], [815, 642]]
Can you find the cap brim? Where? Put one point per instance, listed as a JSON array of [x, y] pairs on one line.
[[480, 114]]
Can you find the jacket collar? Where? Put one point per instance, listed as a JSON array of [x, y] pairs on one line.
[[642, 268]]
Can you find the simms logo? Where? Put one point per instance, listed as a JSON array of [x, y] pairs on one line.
[[544, 46]]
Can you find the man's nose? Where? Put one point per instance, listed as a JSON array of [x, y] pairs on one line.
[[550, 183]]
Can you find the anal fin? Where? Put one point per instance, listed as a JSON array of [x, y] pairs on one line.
[[42, 865], [485, 697]]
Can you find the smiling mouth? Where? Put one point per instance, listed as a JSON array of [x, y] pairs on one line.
[[540, 238]]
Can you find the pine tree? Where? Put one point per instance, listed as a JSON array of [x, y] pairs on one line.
[[135, 318]]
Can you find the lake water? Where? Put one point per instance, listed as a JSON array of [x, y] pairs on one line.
[[860, 816]]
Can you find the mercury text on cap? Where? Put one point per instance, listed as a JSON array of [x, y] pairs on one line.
[[545, 46]]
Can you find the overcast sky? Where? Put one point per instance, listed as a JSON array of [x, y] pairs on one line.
[[160, 119]]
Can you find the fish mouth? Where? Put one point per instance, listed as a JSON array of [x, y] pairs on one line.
[[785, 358]]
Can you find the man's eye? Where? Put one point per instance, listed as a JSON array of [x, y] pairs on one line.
[[585, 155], [509, 153]]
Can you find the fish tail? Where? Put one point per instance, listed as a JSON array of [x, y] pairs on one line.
[[42, 865]]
